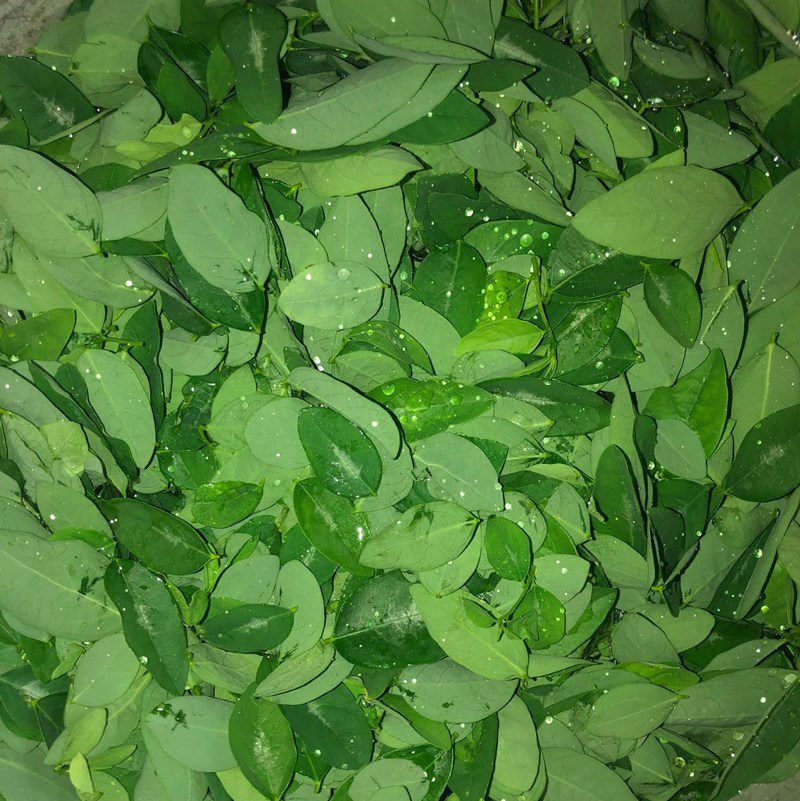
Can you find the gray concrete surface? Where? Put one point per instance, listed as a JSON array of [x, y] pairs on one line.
[[21, 22]]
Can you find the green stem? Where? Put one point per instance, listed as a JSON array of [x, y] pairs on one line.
[[768, 20], [74, 129], [537, 288]]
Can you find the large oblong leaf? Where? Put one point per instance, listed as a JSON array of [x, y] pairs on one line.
[[162, 541], [573, 410], [379, 625], [631, 711], [331, 524], [559, 70], [572, 775], [249, 628], [334, 727], [48, 206], [151, 623], [763, 252], [193, 731], [388, 95], [423, 538], [427, 407], [340, 453], [55, 587], [219, 237], [767, 464], [332, 296], [263, 744], [120, 400], [252, 36], [663, 213], [483, 650]]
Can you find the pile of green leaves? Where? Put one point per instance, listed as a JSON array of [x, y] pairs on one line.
[[399, 400]]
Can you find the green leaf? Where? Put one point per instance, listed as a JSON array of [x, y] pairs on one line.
[[220, 238], [151, 623], [359, 172], [425, 408], [331, 524], [699, 399], [474, 761], [263, 744], [679, 450], [120, 400], [612, 34], [42, 337], [560, 71], [379, 625], [572, 774], [765, 747], [512, 336], [368, 416], [335, 726], [225, 502], [616, 496], [105, 671], [342, 456], [761, 252], [713, 146], [391, 94], [482, 650], [631, 711], [573, 410], [767, 463], [767, 383], [193, 730], [252, 36], [508, 549], [46, 101], [55, 587], [460, 472], [456, 117], [333, 296], [48, 206], [579, 267], [518, 753], [449, 281], [249, 628], [665, 213], [672, 298], [163, 542], [423, 538], [446, 691], [540, 618]]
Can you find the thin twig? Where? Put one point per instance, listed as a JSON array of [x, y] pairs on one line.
[[773, 25]]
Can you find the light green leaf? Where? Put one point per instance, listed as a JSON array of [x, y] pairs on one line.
[[761, 254], [333, 296], [482, 650], [120, 400], [389, 94], [220, 238], [48, 206], [631, 711], [193, 730], [460, 472], [423, 538], [679, 450], [665, 213], [446, 691], [55, 587]]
